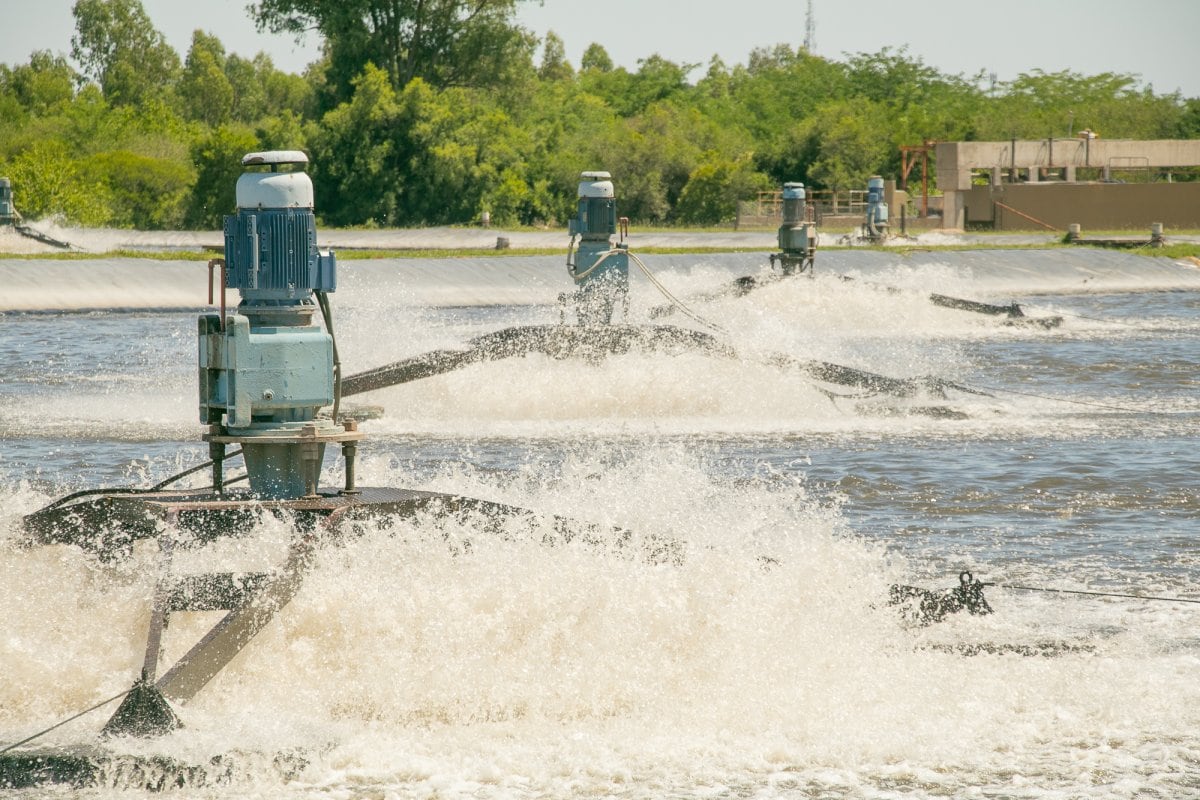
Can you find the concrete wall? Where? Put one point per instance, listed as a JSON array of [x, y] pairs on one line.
[[1095, 206]]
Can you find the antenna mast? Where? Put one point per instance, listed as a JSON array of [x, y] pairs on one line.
[[810, 29]]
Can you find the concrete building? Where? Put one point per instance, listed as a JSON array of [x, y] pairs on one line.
[[1051, 183]]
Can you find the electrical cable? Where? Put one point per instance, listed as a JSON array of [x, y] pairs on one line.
[[163, 484], [673, 299], [327, 315], [570, 252], [158, 487], [238, 479], [581, 276]]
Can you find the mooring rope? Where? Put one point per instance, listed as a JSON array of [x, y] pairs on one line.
[[1108, 406], [1095, 594], [1019, 213], [72, 718], [1100, 319]]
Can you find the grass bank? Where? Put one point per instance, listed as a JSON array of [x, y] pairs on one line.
[[1176, 250], [356, 254]]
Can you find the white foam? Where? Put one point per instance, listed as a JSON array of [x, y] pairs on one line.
[[517, 669]]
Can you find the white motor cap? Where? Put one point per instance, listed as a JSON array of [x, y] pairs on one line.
[[274, 189], [595, 184]]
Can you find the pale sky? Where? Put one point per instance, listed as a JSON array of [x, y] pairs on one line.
[[1156, 39]]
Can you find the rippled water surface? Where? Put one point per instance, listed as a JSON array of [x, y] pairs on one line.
[[1062, 458]]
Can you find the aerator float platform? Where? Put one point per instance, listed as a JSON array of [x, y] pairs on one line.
[[266, 371]]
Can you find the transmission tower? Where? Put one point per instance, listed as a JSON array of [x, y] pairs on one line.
[[810, 29]]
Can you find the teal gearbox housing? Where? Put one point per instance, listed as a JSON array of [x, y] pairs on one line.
[[254, 374]]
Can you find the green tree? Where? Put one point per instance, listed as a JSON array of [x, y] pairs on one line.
[[630, 94], [653, 155], [849, 148], [555, 66], [461, 148], [656, 79], [892, 76], [443, 42], [715, 186], [247, 78], [465, 132], [1040, 104], [921, 103], [88, 123], [1189, 120], [512, 200], [595, 57], [216, 89], [286, 93], [354, 158], [780, 86], [144, 193], [568, 131], [50, 183], [204, 90], [117, 45], [717, 83], [13, 114], [282, 131], [424, 156], [42, 85], [218, 160]]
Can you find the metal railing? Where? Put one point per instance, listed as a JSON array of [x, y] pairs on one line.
[[819, 201]]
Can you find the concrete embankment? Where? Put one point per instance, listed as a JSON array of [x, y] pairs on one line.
[[136, 283]]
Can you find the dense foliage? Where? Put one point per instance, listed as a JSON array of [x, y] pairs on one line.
[[420, 112]]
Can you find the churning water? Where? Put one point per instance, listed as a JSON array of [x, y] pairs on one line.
[[410, 666]]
